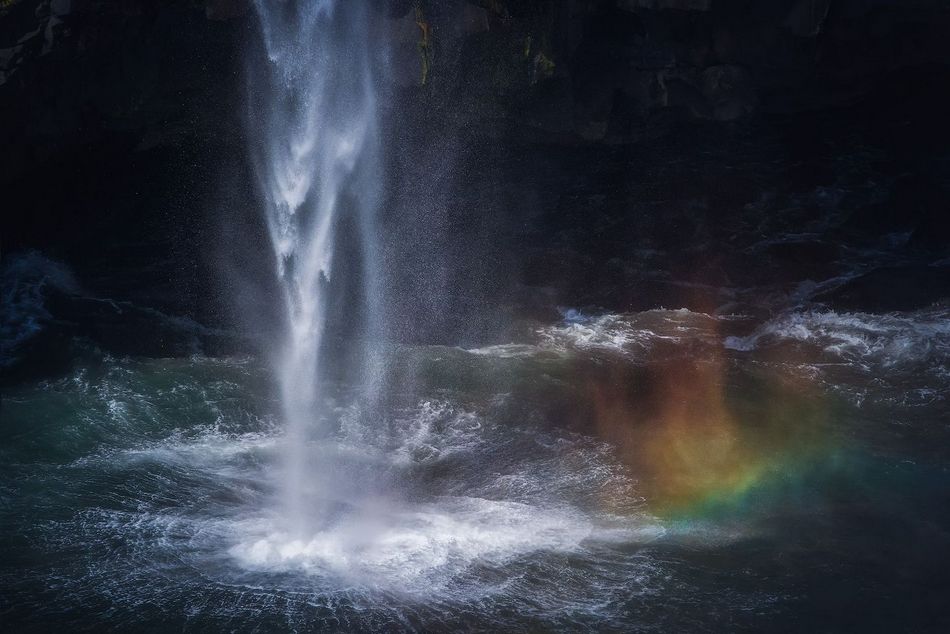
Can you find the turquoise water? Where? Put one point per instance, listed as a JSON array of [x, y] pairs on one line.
[[486, 490]]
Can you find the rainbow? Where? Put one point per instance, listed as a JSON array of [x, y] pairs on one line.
[[703, 441]]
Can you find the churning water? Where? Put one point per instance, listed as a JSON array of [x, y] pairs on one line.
[[564, 480]]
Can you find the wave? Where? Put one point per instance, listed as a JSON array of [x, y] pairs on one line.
[[869, 340], [900, 358], [25, 279], [632, 335]]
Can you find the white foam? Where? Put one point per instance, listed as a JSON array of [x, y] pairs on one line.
[[884, 339], [906, 355], [413, 548], [506, 351], [397, 539], [434, 431], [631, 335]]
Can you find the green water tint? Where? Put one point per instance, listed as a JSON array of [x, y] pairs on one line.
[[757, 438], [781, 439], [128, 402], [128, 466]]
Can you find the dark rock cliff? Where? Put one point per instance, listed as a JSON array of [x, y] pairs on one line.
[[604, 152]]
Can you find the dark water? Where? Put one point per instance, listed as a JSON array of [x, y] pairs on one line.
[[657, 471]]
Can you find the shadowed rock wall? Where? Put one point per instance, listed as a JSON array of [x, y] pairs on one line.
[[573, 152]]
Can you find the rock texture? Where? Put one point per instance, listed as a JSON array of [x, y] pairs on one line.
[[608, 67], [617, 153]]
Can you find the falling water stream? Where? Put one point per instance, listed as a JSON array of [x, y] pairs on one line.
[[317, 150]]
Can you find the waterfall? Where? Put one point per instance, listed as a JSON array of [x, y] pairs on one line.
[[314, 131]]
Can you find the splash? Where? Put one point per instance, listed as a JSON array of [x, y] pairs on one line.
[[314, 124]]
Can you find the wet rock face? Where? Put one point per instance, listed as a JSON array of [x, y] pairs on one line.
[[628, 147], [806, 17], [729, 92], [225, 9], [619, 66], [682, 5], [588, 70], [30, 29], [82, 69], [899, 288], [120, 126]]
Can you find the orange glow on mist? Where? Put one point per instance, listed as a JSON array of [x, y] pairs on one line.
[[692, 432]]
